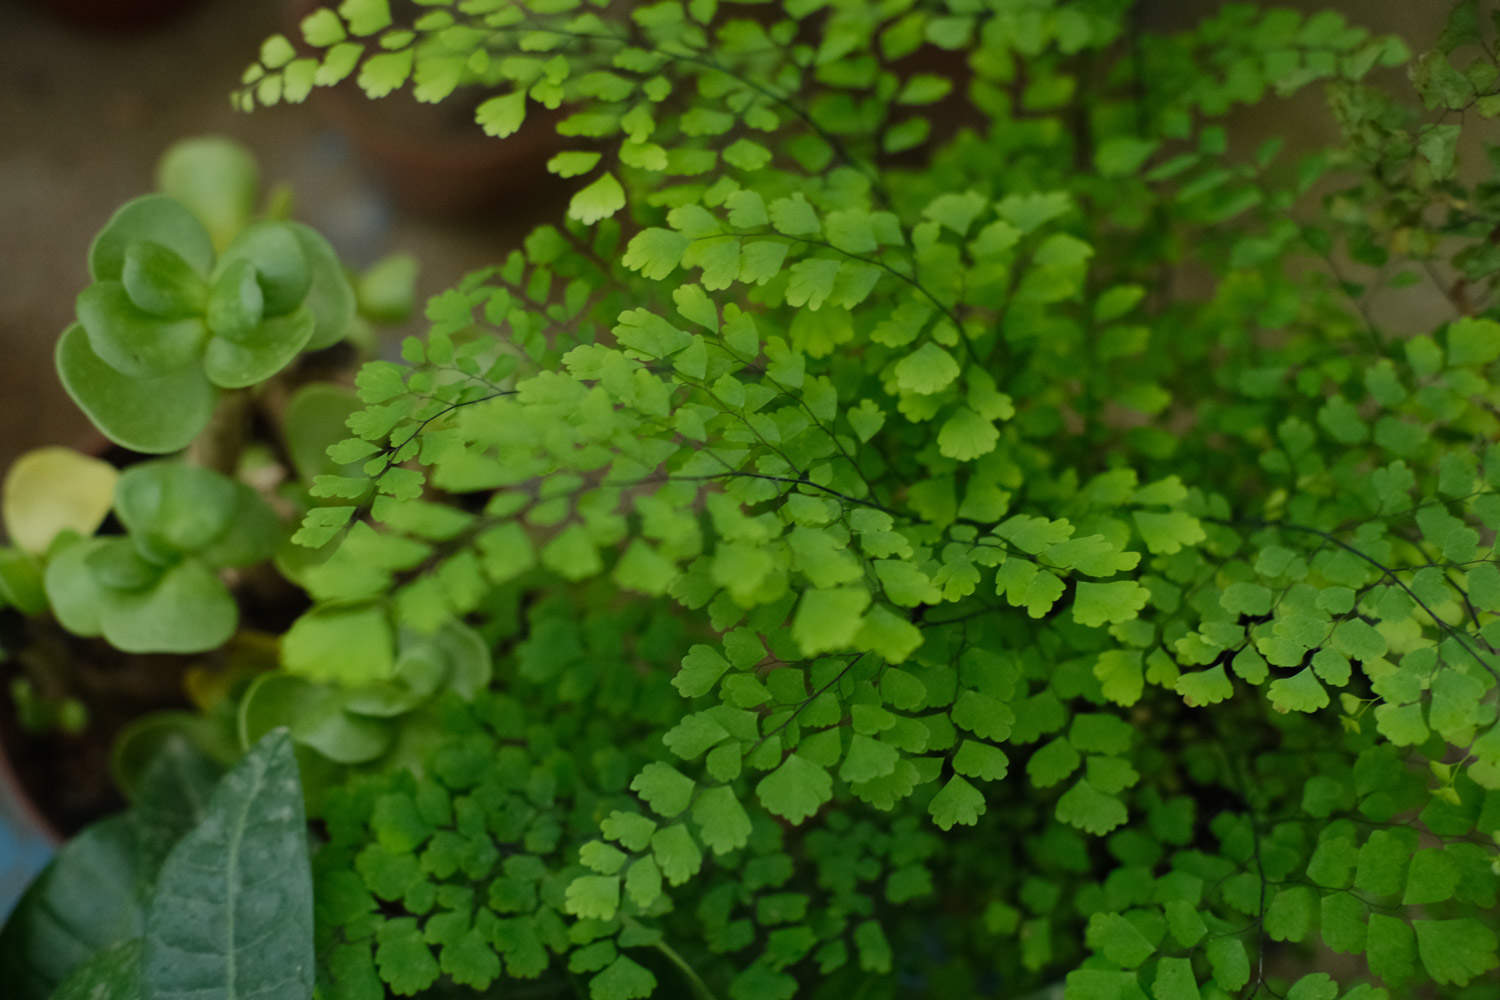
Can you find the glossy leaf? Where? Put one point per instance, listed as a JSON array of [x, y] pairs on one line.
[[161, 283], [254, 533], [330, 298], [21, 582], [73, 591], [175, 508], [160, 764], [314, 715], [314, 422], [236, 304]]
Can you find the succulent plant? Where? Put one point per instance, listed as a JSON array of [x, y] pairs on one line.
[[173, 318], [156, 588]]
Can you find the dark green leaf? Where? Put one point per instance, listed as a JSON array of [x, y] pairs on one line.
[[231, 918], [91, 898], [113, 974]]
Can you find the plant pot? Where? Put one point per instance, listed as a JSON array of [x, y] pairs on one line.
[[27, 840]]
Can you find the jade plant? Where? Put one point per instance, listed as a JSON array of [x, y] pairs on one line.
[[939, 516], [171, 319], [197, 297]]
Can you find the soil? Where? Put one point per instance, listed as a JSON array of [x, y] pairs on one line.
[[68, 777]]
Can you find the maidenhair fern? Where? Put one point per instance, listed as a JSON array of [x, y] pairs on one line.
[[1063, 571]]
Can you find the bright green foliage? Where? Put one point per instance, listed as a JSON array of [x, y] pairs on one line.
[[838, 493], [361, 723]]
